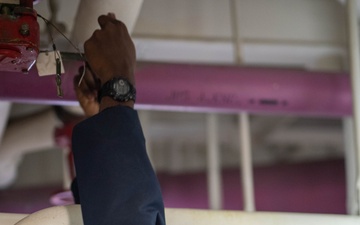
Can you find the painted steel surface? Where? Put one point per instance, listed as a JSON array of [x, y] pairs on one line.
[[205, 88], [67, 215]]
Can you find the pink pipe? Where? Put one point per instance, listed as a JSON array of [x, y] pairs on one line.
[[234, 89], [206, 88]]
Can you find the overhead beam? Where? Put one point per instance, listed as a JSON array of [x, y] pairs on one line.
[[284, 53], [203, 88]]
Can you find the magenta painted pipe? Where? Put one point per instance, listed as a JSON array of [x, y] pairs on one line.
[[205, 88]]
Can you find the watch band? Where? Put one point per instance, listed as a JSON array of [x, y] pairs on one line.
[[108, 89]]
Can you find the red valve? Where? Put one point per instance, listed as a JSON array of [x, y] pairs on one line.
[[19, 37]]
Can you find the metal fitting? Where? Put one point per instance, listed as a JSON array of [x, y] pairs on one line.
[[25, 29]]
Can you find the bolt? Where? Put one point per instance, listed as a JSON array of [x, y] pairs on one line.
[[24, 29], [5, 10]]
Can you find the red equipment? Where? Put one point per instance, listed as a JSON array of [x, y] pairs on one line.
[[19, 35]]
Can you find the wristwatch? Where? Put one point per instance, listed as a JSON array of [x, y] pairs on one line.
[[118, 88]]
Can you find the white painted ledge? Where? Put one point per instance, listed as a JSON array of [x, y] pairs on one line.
[[71, 215], [313, 56], [10, 218]]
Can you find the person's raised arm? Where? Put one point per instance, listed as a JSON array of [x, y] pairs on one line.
[[115, 180]]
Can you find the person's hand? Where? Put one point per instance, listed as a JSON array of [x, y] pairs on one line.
[[87, 91], [110, 53]]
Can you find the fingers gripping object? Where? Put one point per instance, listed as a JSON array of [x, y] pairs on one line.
[[126, 11]]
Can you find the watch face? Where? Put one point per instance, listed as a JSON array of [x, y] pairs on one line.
[[121, 87]]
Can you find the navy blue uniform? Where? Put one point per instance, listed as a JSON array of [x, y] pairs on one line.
[[115, 180]]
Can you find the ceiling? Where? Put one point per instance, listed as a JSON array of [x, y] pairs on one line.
[[282, 33]]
